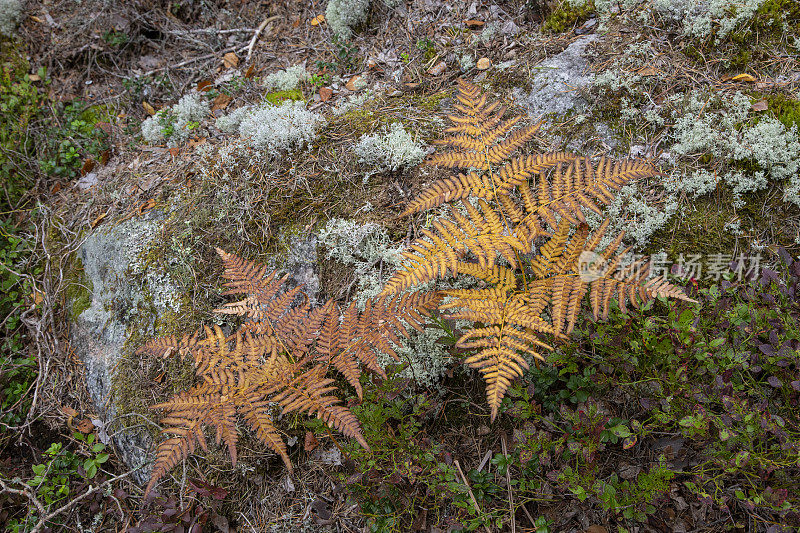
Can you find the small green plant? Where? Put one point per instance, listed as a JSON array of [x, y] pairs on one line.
[[115, 38], [427, 47]]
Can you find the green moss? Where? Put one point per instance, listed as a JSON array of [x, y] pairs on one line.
[[699, 229], [79, 290], [566, 16], [275, 98], [784, 108]]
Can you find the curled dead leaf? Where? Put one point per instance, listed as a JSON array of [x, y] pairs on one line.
[[230, 60], [85, 426], [150, 110], [438, 68], [743, 77], [220, 102], [325, 93], [319, 19], [474, 24], [484, 63]]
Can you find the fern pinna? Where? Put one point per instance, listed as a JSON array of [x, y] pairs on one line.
[[528, 210], [283, 356]]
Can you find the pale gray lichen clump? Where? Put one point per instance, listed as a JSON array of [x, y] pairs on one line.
[[10, 16], [175, 124], [723, 129], [368, 249], [392, 150], [343, 15], [703, 18], [274, 128], [286, 80]]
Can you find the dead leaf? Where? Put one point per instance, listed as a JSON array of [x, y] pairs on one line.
[[761, 105], [354, 84], [629, 442], [310, 441], [325, 93], [69, 411], [596, 529], [743, 77], [230, 60], [149, 204], [220, 102], [99, 219], [251, 70], [150, 110], [88, 166], [474, 24], [484, 63], [56, 188], [85, 426], [196, 142], [296, 23], [648, 71], [34, 77], [438, 68], [319, 19], [174, 151], [105, 156], [204, 86]]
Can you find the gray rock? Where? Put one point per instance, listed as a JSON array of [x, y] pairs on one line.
[[557, 80], [99, 333]]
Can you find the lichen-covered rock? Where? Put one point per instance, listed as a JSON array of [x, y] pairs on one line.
[[556, 81], [100, 332]]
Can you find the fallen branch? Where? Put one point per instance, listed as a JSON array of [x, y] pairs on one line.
[[257, 34]]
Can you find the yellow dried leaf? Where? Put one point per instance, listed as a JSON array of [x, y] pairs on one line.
[[319, 19], [150, 110], [230, 60]]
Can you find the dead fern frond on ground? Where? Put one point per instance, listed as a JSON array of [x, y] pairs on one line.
[[516, 225], [280, 359]]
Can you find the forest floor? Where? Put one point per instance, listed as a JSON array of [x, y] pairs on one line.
[[673, 417]]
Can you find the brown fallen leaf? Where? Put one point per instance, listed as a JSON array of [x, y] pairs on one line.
[[596, 529], [251, 70], [230, 60], [761, 105], [310, 441], [174, 151], [85, 426], [69, 411], [319, 19], [648, 71], [204, 86], [105, 127], [99, 219], [88, 166], [438, 68], [105, 156], [146, 206], [325, 93], [743, 77], [34, 77], [220, 102], [150, 110], [196, 142], [474, 24], [484, 63], [354, 83]]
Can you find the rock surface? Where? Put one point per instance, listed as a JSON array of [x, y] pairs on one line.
[[557, 80]]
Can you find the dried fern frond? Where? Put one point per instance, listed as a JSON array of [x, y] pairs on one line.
[[501, 214], [281, 357]]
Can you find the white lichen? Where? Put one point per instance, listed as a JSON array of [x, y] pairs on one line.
[[274, 128], [286, 80], [392, 150], [177, 123], [703, 19], [10, 16], [344, 15], [230, 123]]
